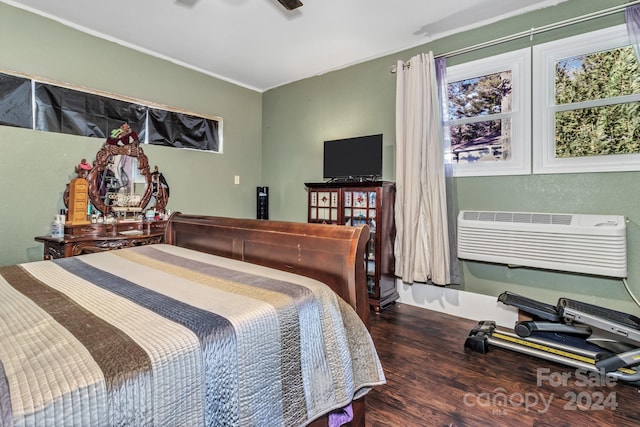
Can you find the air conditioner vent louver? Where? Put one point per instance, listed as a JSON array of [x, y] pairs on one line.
[[518, 217], [589, 244]]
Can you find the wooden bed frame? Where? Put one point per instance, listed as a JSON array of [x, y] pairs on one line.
[[333, 255]]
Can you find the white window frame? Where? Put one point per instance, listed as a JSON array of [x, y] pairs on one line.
[[545, 57], [519, 62]]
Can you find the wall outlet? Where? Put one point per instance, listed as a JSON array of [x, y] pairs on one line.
[[236, 179]]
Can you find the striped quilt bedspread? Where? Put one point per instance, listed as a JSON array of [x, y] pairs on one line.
[[165, 336]]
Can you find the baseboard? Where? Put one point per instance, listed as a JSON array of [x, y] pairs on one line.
[[459, 303]]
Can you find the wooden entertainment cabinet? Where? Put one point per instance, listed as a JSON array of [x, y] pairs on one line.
[[362, 202]]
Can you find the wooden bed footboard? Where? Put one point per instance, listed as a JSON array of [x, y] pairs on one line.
[[333, 254]]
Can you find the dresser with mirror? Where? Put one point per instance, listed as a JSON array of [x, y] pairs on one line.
[[114, 202]]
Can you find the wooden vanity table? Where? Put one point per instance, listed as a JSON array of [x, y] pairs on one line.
[[118, 182], [83, 239]]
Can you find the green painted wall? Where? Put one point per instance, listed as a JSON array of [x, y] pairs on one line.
[[35, 166], [275, 139], [360, 100]]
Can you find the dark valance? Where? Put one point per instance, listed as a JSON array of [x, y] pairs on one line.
[[63, 110], [182, 130], [15, 101]]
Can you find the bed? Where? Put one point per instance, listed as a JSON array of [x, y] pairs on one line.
[[228, 322]]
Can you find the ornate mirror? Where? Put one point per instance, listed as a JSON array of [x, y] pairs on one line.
[[119, 181]]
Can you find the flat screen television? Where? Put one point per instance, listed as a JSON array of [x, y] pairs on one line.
[[353, 158]]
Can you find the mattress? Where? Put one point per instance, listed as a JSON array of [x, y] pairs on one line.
[[162, 335]]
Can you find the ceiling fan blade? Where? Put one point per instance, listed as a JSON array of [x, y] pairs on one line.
[[187, 3], [290, 4]]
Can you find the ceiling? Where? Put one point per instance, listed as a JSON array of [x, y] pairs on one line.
[[259, 44]]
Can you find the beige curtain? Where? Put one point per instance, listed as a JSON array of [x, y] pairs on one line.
[[422, 241]]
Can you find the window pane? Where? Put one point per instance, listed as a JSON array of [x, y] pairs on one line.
[[69, 111], [597, 75], [183, 130], [481, 141], [15, 101], [480, 96], [597, 131], [488, 115]]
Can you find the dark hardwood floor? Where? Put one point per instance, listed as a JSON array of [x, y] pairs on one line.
[[432, 381]]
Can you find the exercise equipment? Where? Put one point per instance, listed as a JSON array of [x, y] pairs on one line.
[[572, 332]]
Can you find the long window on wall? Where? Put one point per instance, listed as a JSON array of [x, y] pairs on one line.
[[15, 101], [32, 104], [183, 130], [587, 104], [487, 117], [69, 111]]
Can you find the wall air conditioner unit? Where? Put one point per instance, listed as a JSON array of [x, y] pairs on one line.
[[589, 244]]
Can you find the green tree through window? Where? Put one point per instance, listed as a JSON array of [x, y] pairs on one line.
[[595, 116]]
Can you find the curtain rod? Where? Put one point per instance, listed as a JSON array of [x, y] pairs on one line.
[[534, 31]]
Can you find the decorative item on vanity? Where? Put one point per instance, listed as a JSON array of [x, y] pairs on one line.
[[83, 168], [159, 189], [57, 226], [78, 203]]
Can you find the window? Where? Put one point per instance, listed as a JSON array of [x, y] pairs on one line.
[[53, 108], [587, 104], [183, 130], [63, 110], [488, 114], [15, 101]]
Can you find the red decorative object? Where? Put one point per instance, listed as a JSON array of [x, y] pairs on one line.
[[122, 136]]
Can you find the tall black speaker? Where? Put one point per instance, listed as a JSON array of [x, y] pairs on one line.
[[262, 203]]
